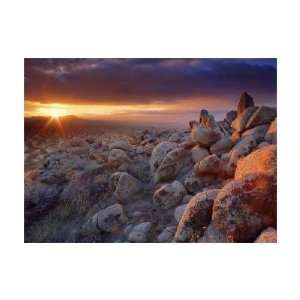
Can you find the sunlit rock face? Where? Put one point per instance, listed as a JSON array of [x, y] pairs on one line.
[[261, 160], [246, 206]]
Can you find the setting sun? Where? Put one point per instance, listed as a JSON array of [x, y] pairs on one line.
[[56, 112]]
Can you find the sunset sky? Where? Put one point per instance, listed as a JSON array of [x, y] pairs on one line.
[[150, 90]]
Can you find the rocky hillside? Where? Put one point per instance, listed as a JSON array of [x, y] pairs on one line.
[[214, 182]]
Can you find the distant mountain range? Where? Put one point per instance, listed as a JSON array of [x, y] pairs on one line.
[[71, 125]]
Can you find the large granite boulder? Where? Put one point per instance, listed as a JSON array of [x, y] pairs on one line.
[[222, 146], [245, 206], [263, 115], [204, 136], [257, 132], [242, 148], [261, 160], [196, 215]]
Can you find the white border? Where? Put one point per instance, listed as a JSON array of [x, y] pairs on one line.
[[148, 29]]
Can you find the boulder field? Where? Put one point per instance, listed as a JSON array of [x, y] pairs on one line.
[[215, 181]]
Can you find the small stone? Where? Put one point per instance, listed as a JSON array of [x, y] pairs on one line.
[[123, 145], [167, 234], [117, 157], [111, 218], [169, 195], [124, 185], [195, 184], [175, 137], [140, 233]]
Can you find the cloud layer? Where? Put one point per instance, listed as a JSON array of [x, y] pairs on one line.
[[148, 81]]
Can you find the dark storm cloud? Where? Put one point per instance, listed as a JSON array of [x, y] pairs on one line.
[[141, 81]]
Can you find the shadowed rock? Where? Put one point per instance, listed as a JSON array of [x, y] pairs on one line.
[[204, 136], [245, 101], [230, 116], [198, 153], [257, 132], [222, 146], [195, 184], [263, 115], [213, 235], [242, 148]]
